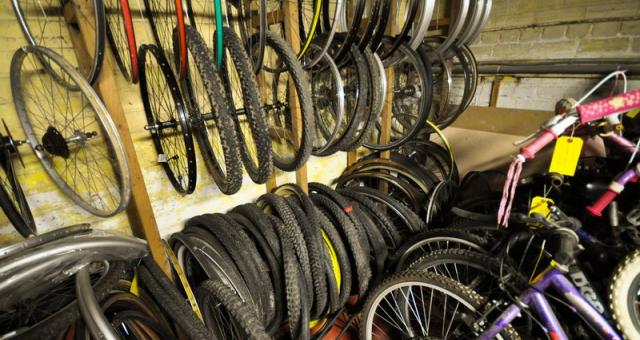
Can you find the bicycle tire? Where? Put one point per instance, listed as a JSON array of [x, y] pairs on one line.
[[197, 19], [400, 38], [372, 23], [241, 314], [410, 123], [298, 152], [291, 234], [246, 22], [354, 241], [348, 34], [118, 188], [119, 29], [41, 40], [174, 305], [381, 27], [328, 32], [216, 137], [328, 106], [164, 36], [182, 172], [12, 199], [621, 295], [470, 299], [307, 216], [356, 100], [255, 143], [342, 257]]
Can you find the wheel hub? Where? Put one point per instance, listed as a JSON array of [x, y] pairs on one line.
[[54, 143]]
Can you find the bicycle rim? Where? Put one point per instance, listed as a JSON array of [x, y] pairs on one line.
[[79, 148]]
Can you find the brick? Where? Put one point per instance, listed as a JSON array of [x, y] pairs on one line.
[[554, 32], [489, 37], [630, 28], [635, 47], [553, 50], [509, 36], [530, 34], [482, 52], [605, 29], [611, 9], [578, 31], [511, 51], [605, 46]]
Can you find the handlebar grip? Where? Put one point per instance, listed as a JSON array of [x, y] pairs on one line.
[[567, 247], [609, 106], [602, 202], [530, 151]]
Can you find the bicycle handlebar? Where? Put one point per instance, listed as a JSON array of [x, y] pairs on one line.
[[614, 189], [549, 135], [609, 106]]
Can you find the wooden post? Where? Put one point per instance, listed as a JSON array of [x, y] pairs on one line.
[[139, 211], [291, 25]]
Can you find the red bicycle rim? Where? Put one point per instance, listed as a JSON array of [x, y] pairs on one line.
[[131, 39]]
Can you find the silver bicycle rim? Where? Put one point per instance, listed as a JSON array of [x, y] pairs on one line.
[[90, 309], [418, 35], [102, 119], [483, 21], [339, 10], [455, 27], [476, 7], [403, 285], [337, 104]]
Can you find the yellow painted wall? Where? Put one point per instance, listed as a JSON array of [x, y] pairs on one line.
[[52, 209]]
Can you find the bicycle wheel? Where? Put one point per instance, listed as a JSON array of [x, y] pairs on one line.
[[243, 16], [167, 119], [37, 18], [242, 95], [166, 18], [209, 116], [331, 12], [12, 199], [403, 23], [420, 26], [328, 99], [122, 37], [426, 305], [207, 17], [369, 22], [410, 100], [71, 132], [348, 24], [290, 146], [623, 295]]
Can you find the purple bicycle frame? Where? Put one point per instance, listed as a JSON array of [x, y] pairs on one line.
[[535, 297]]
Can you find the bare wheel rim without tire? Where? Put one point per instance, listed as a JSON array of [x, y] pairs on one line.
[[37, 18], [71, 132]]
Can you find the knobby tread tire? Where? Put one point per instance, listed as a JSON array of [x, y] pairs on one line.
[[230, 182], [261, 171], [173, 304], [243, 315], [453, 287], [303, 91]]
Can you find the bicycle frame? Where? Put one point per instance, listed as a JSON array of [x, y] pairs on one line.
[[534, 296]]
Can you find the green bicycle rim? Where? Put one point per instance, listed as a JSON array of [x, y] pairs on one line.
[[220, 43]]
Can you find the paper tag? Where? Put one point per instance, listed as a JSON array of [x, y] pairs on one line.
[[566, 155], [134, 285], [162, 158], [633, 113], [540, 205]]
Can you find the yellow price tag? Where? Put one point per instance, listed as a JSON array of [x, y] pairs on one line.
[[633, 113], [134, 285], [540, 205], [566, 155]]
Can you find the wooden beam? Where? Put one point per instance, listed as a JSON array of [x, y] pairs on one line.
[[291, 26], [438, 23], [495, 91], [140, 212]]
